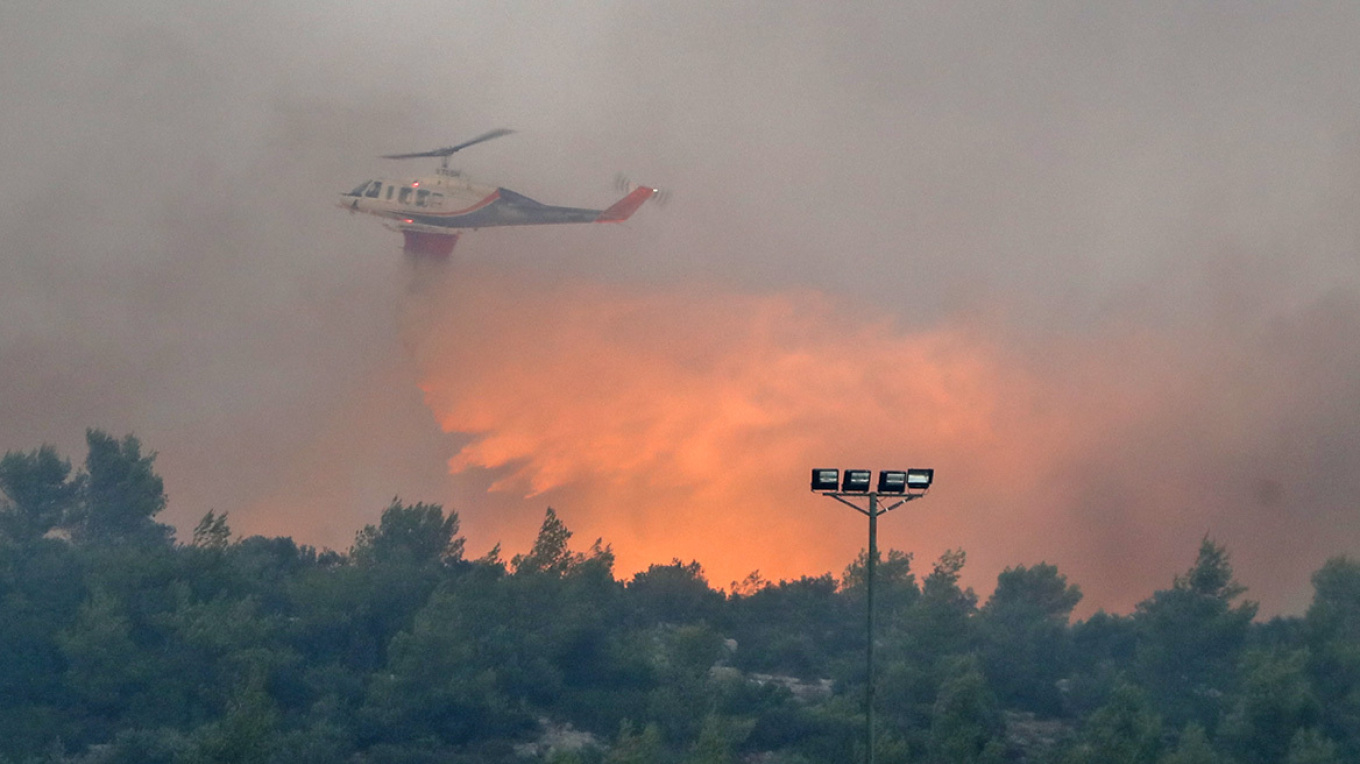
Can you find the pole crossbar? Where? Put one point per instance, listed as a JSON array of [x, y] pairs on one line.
[[873, 500]]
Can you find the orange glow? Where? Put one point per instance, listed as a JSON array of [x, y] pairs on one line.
[[682, 422]]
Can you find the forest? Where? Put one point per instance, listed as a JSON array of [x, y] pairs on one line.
[[120, 643]]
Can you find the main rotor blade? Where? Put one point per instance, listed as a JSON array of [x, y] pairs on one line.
[[498, 132], [419, 154], [449, 150]]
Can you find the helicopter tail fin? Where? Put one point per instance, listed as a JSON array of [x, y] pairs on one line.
[[625, 207]]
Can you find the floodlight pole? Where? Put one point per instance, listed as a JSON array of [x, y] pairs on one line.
[[869, 626], [872, 513]]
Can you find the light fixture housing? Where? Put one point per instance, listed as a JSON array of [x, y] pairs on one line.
[[825, 480], [856, 481], [892, 481], [920, 479]]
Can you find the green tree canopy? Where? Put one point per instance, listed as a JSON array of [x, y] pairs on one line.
[[895, 587], [1025, 642], [418, 534], [551, 555], [966, 725], [122, 493], [1190, 638], [1193, 747], [1310, 746], [941, 619], [1333, 634], [1126, 730], [1274, 701], [674, 593], [212, 532], [1335, 611], [39, 493]]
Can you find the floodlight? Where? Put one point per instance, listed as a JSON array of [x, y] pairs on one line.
[[920, 480], [857, 481], [825, 480], [892, 481]]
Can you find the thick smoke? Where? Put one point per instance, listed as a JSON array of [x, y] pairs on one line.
[[1096, 265], [681, 422]]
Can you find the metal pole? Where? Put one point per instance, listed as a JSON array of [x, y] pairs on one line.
[[871, 563], [869, 630]]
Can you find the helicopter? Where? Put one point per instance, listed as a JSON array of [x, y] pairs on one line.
[[433, 211]]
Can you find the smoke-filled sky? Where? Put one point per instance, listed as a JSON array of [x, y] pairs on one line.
[[1099, 265]]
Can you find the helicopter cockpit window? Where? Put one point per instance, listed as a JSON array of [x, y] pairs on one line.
[[373, 189], [359, 189]]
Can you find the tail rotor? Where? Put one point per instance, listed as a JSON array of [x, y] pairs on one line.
[[660, 196]]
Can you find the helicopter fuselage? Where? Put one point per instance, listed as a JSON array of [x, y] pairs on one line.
[[446, 204]]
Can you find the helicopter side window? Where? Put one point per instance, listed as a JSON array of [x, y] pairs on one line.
[[373, 189], [405, 196], [389, 191], [436, 199], [421, 196]]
